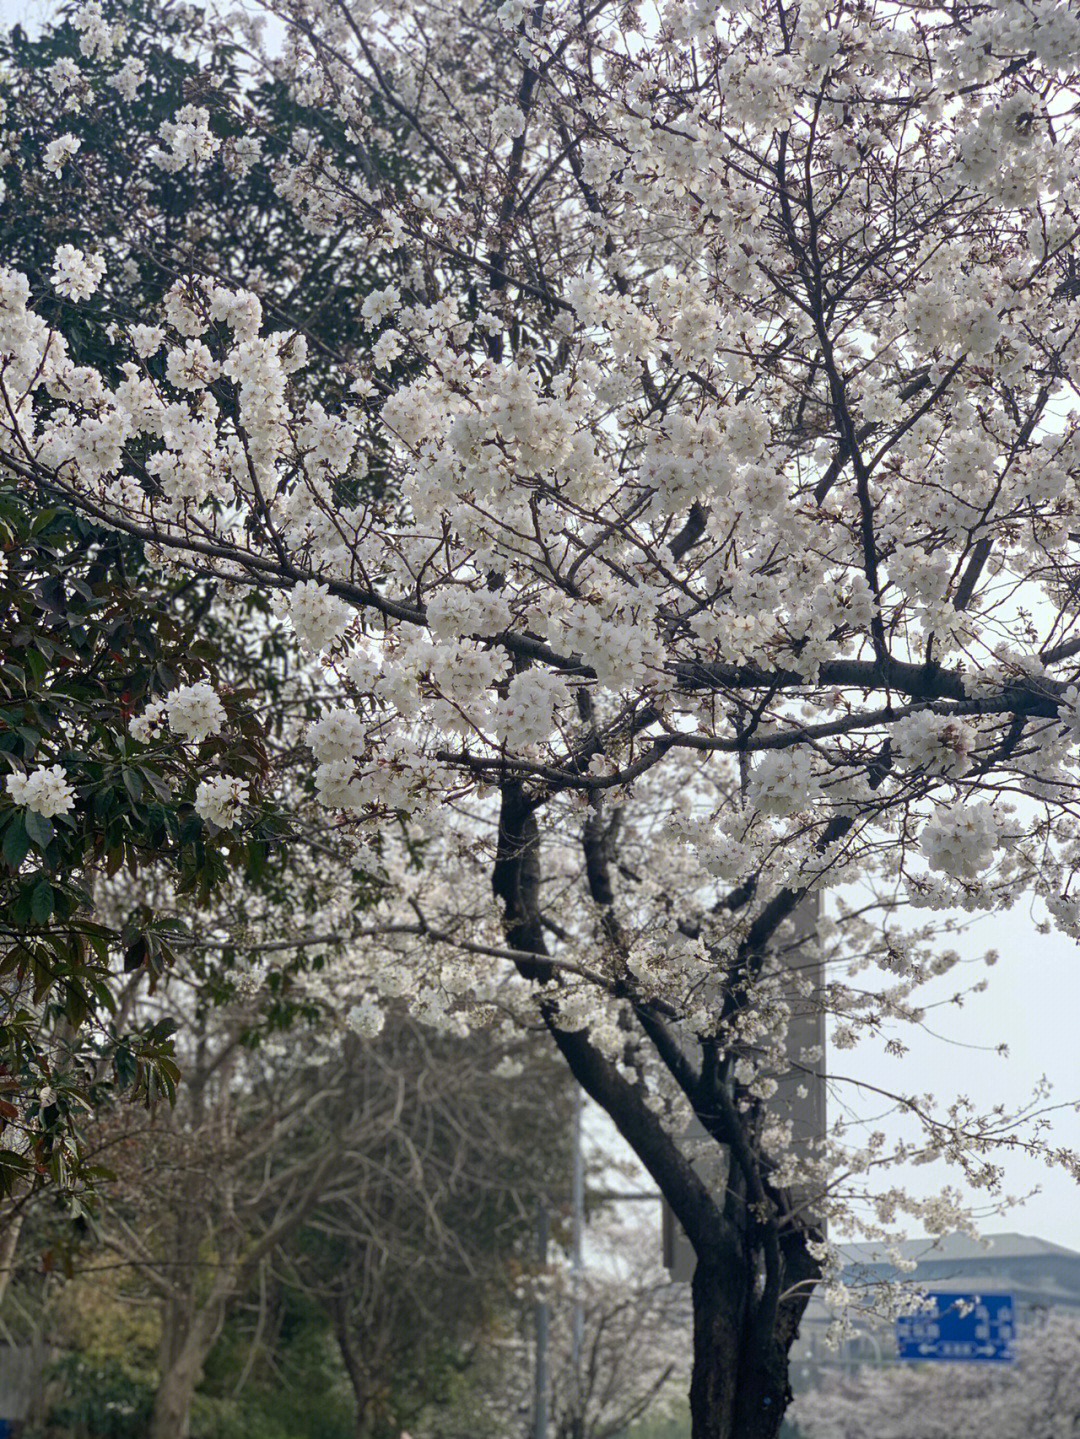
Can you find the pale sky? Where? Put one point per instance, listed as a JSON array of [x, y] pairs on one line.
[[28, 13], [1032, 1004]]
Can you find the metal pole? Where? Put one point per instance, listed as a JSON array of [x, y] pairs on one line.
[[540, 1390], [577, 1265]]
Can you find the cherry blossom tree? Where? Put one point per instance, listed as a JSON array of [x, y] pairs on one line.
[[630, 1358], [720, 394]]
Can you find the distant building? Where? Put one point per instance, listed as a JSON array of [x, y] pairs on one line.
[[1037, 1273], [800, 1096]]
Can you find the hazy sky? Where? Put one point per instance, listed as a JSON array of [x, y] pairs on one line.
[[1032, 1004], [28, 13]]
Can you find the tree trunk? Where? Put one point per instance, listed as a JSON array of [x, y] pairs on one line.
[[742, 1344], [185, 1347], [719, 1306], [172, 1403], [9, 1243], [762, 1393], [358, 1378]]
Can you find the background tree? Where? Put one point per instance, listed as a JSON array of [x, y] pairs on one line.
[[416, 1260], [1037, 1394], [82, 641], [100, 630], [631, 1360], [369, 1176], [211, 1193]]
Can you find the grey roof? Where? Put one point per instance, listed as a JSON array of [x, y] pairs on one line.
[[958, 1247]]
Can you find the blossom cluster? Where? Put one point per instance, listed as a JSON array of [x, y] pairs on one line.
[[318, 617], [939, 744], [221, 800], [75, 274], [961, 838], [194, 712], [46, 791]]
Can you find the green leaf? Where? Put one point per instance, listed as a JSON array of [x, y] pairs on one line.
[[76, 1005], [162, 1077], [136, 954], [41, 521], [133, 783], [35, 663], [41, 904], [100, 945], [256, 860], [161, 1030], [39, 829], [126, 1065], [161, 787], [16, 841]]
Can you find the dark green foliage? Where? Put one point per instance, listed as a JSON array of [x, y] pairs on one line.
[[232, 218], [225, 216], [301, 1396], [88, 637], [91, 630], [102, 1400], [85, 646], [297, 1391]]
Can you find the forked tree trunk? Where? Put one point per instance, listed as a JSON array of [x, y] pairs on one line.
[[185, 1348], [754, 1269], [739, 1387]]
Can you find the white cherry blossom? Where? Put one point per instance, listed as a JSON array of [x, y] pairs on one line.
[[76, 275], [194, 712]]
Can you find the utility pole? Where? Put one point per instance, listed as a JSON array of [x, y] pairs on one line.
[[541, 1401], [540, 1377]]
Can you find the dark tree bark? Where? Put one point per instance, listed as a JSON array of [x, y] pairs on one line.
[[718, 1296], [755, 1271]]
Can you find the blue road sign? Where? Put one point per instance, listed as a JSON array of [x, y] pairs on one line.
[[960, 1326]]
